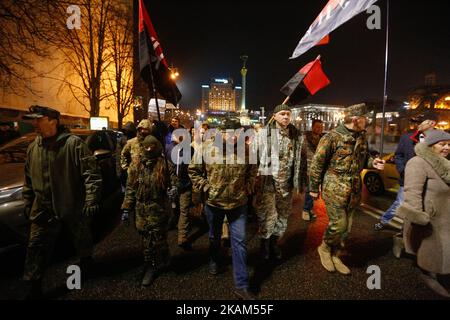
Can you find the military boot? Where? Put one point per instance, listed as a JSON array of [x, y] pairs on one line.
[[275, 248], [325, 257], [338, 264], [149, 274], [265, 249], [33, 290]]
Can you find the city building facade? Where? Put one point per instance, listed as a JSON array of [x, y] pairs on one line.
[[220, 96]]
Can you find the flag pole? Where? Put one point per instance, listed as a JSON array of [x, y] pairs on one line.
[[152, 79], [385, 77]]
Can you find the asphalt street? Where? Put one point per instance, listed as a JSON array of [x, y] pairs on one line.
[[298, 276]]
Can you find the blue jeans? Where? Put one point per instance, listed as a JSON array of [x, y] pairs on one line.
[[390, 213], [309, 201], [237, 219]]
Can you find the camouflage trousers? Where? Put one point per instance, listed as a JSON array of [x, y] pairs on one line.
[[339, 225], [184, 224], [152, 223], [43, 237], [273, 211]]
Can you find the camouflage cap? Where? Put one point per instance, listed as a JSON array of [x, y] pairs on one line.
[[36, 112], [356, 110]]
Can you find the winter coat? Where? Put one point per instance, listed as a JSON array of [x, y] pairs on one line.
[[60, 177], [296, 172], [426, 210], [227, 184], [146, 195]]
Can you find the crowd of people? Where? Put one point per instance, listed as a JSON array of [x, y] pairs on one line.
[[157, 184]]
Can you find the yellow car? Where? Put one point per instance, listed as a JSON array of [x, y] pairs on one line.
[[377, 182]]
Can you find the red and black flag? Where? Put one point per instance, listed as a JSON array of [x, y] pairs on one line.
[[307, 81], [152, 61]]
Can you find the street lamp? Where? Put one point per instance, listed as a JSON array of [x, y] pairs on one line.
[[174, 74]]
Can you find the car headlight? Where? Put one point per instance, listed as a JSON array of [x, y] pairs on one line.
[[9, 195]]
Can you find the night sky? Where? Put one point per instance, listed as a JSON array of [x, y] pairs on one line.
[[205, 39]]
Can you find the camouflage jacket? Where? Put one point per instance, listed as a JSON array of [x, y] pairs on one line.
[[60, 177], [339, 159], [291, 169], [131, 152], [143, 186], [226, 185]]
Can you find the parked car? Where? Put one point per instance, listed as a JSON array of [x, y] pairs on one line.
[[14, 227], [377, 182]]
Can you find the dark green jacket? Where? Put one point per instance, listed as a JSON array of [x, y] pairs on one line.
[[60, 177]]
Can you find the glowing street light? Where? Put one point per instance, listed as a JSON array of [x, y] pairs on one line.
[[174, 74]]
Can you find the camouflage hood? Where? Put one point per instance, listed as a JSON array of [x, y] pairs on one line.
[[145, 123]]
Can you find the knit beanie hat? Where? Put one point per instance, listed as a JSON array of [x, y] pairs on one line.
[[281, 107], [435, 136]]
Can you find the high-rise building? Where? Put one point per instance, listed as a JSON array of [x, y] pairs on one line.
[[220, 95], [205, 97]]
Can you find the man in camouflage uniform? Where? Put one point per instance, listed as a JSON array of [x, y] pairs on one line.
[[339, 159], [62, 188], [146, 194], [227, 185], [133, 149], [282, 169]]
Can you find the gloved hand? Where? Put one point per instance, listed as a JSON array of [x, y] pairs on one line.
[[173, 194], [125, 218], [90, 209]]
